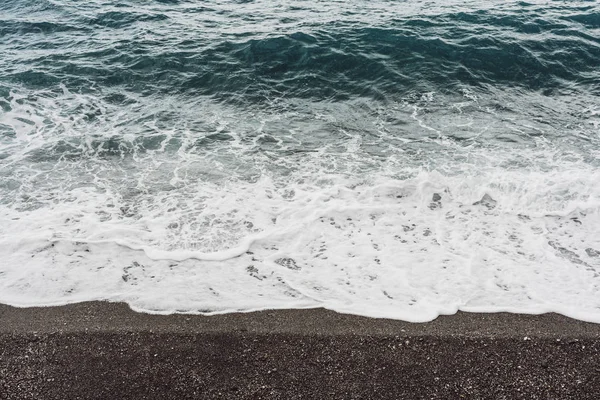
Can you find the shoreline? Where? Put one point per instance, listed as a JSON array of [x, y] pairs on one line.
[[106, 350], [103, 316]]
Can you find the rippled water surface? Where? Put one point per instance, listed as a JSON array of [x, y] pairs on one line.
[[398, 159]]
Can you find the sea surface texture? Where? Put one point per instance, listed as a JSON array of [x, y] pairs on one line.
[[400, 159]]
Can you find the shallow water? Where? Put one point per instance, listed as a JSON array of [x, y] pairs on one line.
[[384, 158]]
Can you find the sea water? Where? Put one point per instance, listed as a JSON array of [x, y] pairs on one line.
[[398, 159]]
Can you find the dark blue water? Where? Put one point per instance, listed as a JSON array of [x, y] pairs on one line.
[[149, 140], [248, 53]]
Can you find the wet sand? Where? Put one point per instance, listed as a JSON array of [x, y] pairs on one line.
[[101, 350]]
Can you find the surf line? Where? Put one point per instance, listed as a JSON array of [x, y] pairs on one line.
[[241, 248], [178, 255], [181, 255]]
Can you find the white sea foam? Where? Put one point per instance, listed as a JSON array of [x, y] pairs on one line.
[[373, 228]]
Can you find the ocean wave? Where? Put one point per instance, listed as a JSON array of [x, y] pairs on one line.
[[391, 159]]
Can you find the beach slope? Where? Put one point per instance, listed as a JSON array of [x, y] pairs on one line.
[[101, 350]]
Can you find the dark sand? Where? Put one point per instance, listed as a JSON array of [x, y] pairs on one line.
[[106, 351]]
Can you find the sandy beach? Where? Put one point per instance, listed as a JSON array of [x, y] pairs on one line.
[[103, 350]]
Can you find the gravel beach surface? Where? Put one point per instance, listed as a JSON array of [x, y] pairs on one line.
[[104, 350]]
